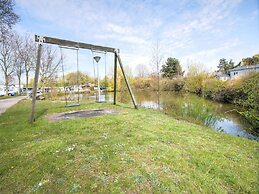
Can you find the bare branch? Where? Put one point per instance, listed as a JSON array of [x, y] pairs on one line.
[[7, 57], [50, 64], [7, 16]]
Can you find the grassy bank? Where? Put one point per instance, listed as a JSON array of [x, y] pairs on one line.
[[5, 97], [134, 151]]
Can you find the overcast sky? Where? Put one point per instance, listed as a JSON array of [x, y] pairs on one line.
[[193, 31]]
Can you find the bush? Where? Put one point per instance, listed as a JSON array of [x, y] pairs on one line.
[[247, 95], [142, 83], [253, 118], [211, 87], [176, 84], [194, 82], [248, 91], [226, 95]]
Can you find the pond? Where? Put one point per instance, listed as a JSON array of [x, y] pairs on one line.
[[222, 117]]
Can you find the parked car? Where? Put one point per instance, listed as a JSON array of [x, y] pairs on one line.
[[11, 93]]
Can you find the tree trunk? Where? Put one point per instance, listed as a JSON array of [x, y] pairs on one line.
[[19, 82], [158, 87], [27, 83], [6, 84], [43, 87]]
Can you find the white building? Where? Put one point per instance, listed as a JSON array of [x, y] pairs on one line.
[[12, 87], [243, 70], [222, 77]]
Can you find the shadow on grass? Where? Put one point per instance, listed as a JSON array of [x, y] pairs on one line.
[[40, 113]]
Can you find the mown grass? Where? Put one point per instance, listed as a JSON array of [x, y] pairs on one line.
[[6, 97], [134, 151]]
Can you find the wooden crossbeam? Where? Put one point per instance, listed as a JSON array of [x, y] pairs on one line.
[[74, 44]]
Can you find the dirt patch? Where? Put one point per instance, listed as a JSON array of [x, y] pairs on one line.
[[80, 114]]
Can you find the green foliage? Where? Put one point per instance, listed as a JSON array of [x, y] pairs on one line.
[[212, 86], [246, 90], [194, 80], [254, 60], [142, 83], [171, 68], [225, 94], [252, 116], [175, 84], [105, 82], [249, 98], [72, 78], [225, 65]]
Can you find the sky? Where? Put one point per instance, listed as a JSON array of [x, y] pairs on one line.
[[193, 31]]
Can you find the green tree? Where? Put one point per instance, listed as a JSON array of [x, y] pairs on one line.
[[224, 65], [73, 78], [254, 60], [171, 68], [194, 80]]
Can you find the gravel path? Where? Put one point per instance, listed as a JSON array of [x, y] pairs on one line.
[[7, 103]]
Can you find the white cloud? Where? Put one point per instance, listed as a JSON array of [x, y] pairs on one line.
[[187, 29], [205, 19], [209, 57]]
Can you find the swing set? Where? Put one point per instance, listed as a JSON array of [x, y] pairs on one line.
[[63, 75], [71, 90], [67, 44]]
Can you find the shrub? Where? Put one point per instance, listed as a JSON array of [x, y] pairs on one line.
[[211, 87], [142, 83], [249, 91], [247, 95], [176, 84], [194, 83], [226, 95], [253, 118]]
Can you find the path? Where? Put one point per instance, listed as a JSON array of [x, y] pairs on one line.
[[9, 102]]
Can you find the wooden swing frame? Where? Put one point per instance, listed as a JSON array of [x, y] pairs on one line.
[[69, 43]]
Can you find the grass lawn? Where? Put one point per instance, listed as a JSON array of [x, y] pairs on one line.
[[134, 151], [6, 97]]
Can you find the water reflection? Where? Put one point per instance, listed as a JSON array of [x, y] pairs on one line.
[[222, 117]]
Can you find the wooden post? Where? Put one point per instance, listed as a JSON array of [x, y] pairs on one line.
[[115, 79], [35, 85], [127, 82]]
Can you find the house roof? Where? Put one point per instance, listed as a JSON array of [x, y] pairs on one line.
[[245, 67]]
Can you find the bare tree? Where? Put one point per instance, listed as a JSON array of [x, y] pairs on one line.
[[27, 51], [49, 65], [142, 70], [18, 70], [7, 16], [156, 61], [18, 64], [7, 57]]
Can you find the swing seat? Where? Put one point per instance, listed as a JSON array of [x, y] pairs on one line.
[[72, 105]]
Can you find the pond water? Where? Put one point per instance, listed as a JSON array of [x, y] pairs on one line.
[[190, 107]]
